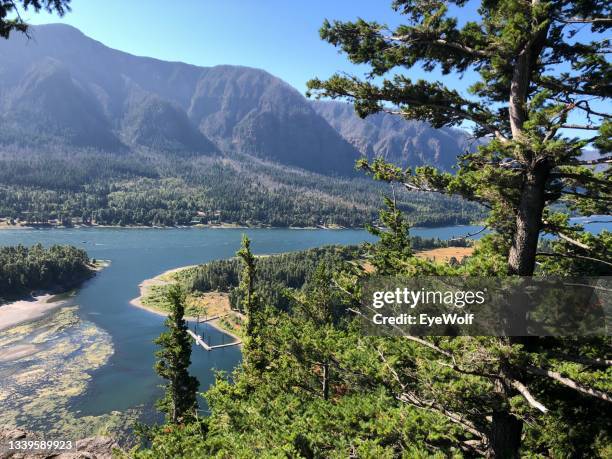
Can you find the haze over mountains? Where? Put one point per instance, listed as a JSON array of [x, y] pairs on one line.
[[63, 88]]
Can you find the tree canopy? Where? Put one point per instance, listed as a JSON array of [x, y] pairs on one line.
[[537, 72]]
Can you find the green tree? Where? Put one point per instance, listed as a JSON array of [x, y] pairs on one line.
[[537, 75], [11, 7], [173, 359], [394, 239], [247, 284]]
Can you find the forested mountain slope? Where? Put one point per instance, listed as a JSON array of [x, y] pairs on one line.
[[66, 87], [95, 135]]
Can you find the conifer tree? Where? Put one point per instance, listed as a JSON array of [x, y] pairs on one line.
[[394, 239], [173, 359], [254, 357], [539, 78], [247, 283]]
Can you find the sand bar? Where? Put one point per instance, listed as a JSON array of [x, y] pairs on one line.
[[27, 310]]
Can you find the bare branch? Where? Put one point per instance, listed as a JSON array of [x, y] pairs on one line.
[[469, 234], [580, 126], [576, 20], [565, 237], [522, 389], [592, 162]]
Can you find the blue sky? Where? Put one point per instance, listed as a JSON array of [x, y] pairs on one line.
[[280, 36]]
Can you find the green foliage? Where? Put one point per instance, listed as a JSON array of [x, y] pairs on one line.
[[164, 190], [275, 273], [535, 75], [247, 278], [173, 359], [394, 243], [24, 269], [11, 7], [329, 391]]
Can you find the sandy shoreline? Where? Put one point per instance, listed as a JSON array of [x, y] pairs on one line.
[[22, 311], [196, 226], [157, 280], [18, 312]]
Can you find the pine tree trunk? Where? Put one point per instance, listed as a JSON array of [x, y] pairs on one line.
[[505, 436], [506, 429], [521, 260]]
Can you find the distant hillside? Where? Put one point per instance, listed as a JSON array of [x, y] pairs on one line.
[[89, 134], [402, 142], [66, 88]]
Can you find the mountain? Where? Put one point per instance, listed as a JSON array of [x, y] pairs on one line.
[[63, 88], [92, 135], [400, 141]]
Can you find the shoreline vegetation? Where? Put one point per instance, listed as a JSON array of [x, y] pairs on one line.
[[221, 225], [37, 305], [212, 308]]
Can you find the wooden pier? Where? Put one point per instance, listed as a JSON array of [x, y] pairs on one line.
[[199, 341]]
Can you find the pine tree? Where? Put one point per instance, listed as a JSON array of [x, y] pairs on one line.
[[394, 239], [247, 283], [173, 360], [537, 75], [253, 356]]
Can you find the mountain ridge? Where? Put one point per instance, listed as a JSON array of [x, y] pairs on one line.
[[107, 99]]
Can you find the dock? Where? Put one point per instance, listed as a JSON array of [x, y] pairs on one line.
[[200, 342]]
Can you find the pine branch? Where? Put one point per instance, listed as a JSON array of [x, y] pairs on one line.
[[576, 20], [522, 389], [405, 39], [579, 177], [593, 362], [592, 162], [407, 396], [585, 196], [565, 237], [580, 126]]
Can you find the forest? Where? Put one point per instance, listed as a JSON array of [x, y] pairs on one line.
[[278, 272], [27, 269], [275, 273], [154, 189]]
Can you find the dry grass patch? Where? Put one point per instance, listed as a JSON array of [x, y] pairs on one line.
[[444, 254]]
